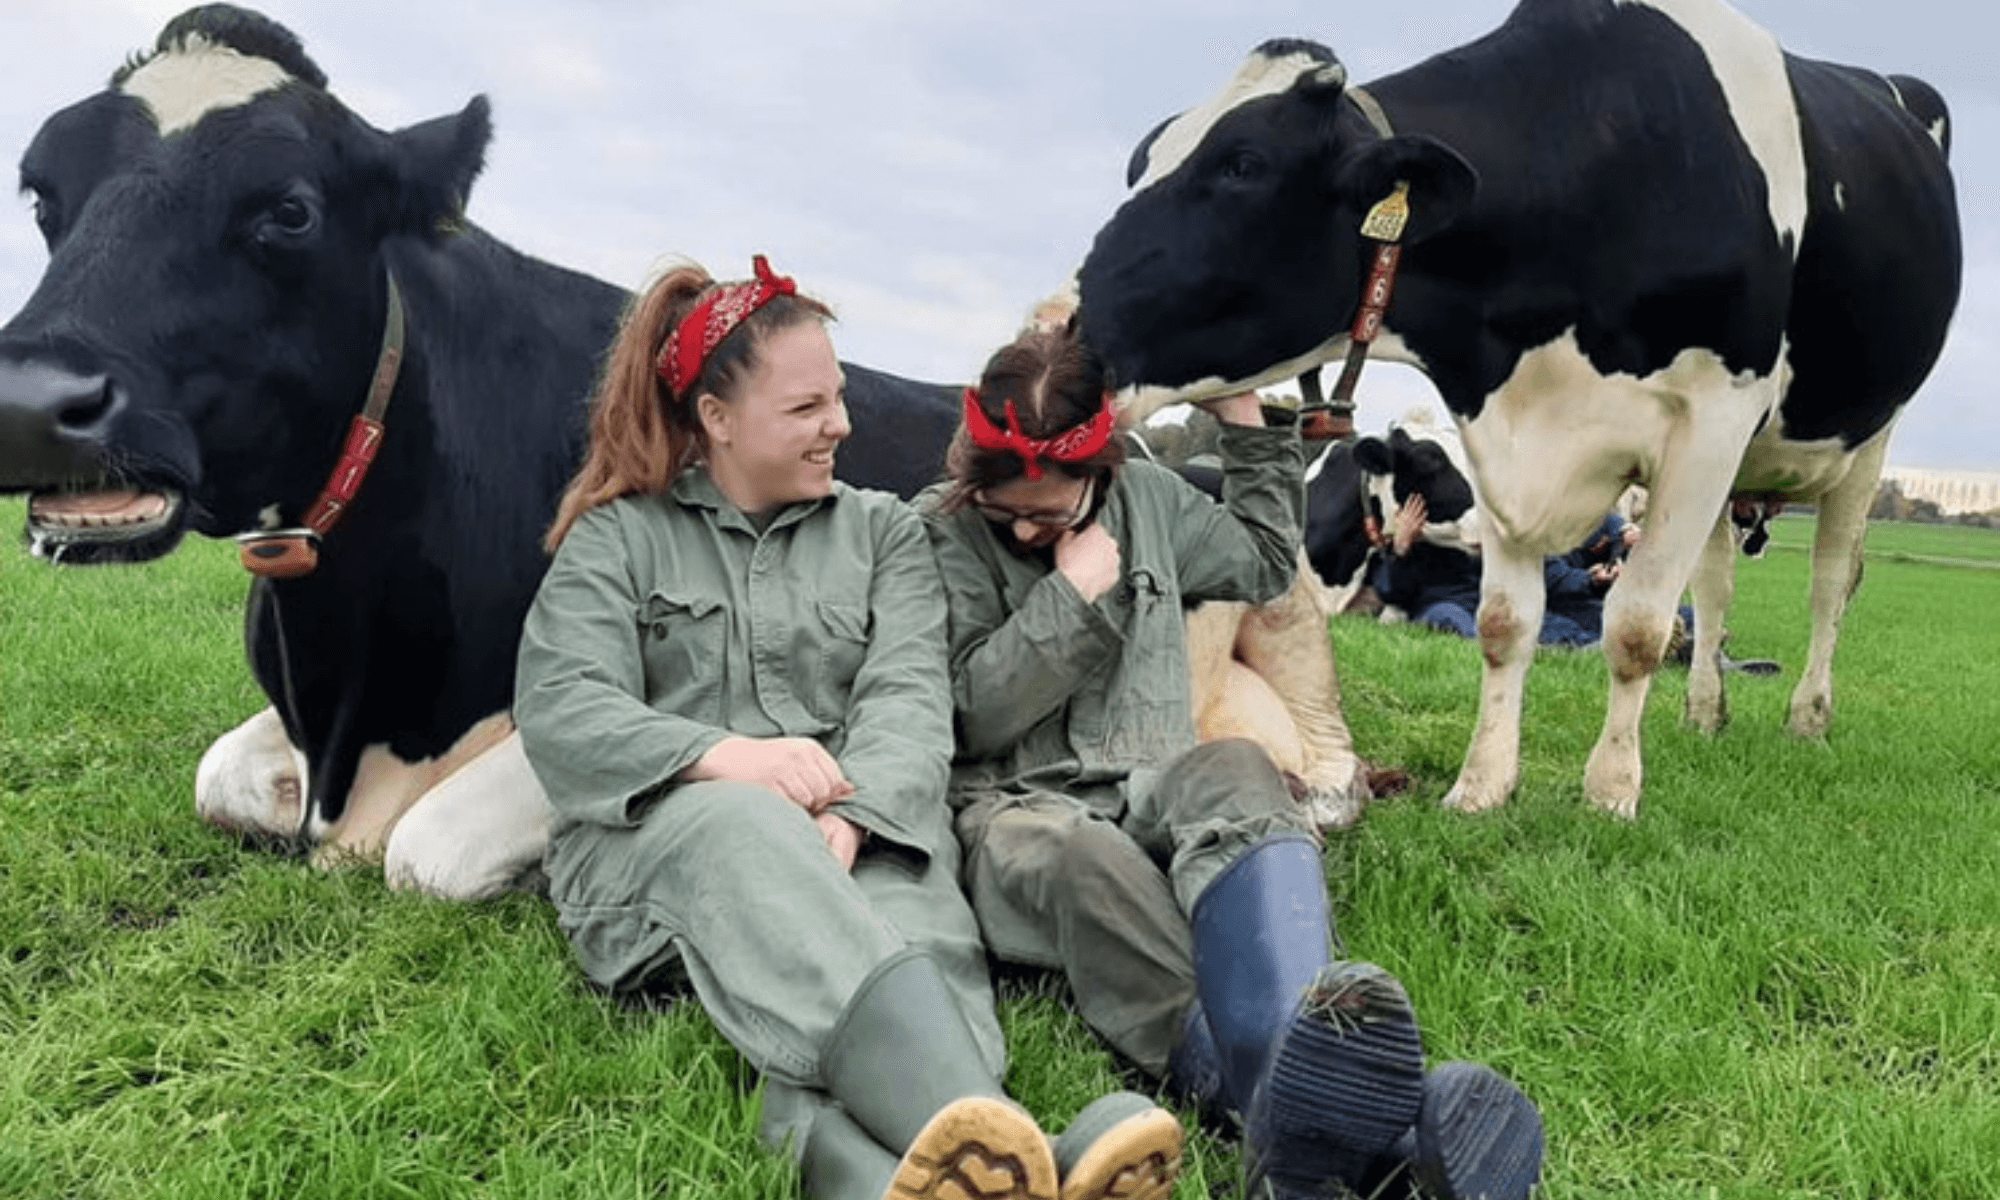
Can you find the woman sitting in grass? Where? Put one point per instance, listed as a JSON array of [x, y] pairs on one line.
[[732, 686], [1178, 887]]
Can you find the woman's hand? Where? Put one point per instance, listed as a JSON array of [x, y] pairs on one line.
[[799, 769], [843, 837], [1409, 524], [1089, 558]]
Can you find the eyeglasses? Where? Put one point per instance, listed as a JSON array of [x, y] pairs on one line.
[[1001, 515]]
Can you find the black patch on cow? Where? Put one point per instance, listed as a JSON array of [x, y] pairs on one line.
[[1875, 291]]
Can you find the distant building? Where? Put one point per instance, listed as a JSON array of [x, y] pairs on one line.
[[1953, 492]]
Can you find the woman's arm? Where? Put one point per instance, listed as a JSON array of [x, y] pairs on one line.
[[897, 751], [1247, 549], [1009, 671], [598, 748]]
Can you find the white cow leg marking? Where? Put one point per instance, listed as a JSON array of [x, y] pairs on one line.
[[1837, 539], [1512, 595], [480, 832], [1714, 589], [252, 780]]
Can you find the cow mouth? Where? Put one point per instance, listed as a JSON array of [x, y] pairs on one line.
[[125, 524]]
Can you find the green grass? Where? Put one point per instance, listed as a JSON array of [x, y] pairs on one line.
[[1782, 981]]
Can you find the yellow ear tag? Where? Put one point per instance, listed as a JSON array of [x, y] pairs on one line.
[[1385, 222]]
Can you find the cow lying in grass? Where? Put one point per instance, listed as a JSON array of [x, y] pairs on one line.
[[239, 267]]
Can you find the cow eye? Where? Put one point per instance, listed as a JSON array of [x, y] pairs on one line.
[[1242, 165], [292, 215]]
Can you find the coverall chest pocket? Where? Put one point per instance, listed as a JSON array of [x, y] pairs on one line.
[[843, 646], [684, 639]]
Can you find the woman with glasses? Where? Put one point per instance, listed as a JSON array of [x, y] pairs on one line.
[[1178, 887], [732, 686]]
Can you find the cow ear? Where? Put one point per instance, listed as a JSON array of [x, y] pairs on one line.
[[436, 163], [1442, 184], [1372, 456]]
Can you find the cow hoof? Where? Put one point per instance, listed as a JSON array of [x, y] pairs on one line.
[[1615, 789], [1471, 797], [1709, 717], [252, 782], [1333, 808], [1811, 718]]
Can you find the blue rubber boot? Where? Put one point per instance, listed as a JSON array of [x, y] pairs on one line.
[[1477, 1137], [1322, 1058]]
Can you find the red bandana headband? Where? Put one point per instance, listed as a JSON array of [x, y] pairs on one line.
[[718, 313], [1071, 446]]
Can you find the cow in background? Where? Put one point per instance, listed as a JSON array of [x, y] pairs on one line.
[[227, 242], [1645, 245]]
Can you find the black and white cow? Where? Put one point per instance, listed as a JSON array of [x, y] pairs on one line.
[[1353, 484], [1647, 245], [223, 234]]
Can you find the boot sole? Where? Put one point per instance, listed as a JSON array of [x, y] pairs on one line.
[[978, 1148], [1137, 1159], [1479, 1137], [1346, 1078]]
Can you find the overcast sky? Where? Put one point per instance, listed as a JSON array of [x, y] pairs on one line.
[[931, 167]]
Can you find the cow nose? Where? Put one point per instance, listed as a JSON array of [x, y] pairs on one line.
[[53, 423]]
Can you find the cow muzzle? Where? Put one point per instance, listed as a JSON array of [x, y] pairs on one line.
[[53, 425]]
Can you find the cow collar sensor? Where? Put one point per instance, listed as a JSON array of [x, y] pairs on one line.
[[291, 553], [1333, 419]]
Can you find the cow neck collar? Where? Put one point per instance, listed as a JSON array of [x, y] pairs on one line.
[[291, 553], [1332, 419]]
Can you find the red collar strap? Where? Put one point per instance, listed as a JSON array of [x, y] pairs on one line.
[[290, 553], [714, 318], [1075, 445]]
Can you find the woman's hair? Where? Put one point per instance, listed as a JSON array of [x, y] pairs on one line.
[[1055, 384], [641, 434]]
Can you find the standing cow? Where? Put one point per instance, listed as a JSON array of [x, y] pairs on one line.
[[237, 264], [1645, 245]]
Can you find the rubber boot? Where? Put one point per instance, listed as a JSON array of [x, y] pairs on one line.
[[1323, 1058], [1122, 1147], [1478, 1137], [842, 1161], [1194, 1069], [906, 1068]]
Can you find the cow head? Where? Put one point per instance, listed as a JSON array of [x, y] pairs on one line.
[[1420, 459], [1238, 261], [213, 303]]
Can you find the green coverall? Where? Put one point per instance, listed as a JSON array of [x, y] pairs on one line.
[[1090, 820], [668, 622]]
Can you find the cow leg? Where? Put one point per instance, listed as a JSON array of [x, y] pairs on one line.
[[1211, 642], [1511, 599], [1287, 643], [1639, 611], [478, 833], [1714, 588], [1837, 540], [252, 780]]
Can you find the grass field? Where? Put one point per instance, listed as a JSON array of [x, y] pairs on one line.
[[1782, 981]]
